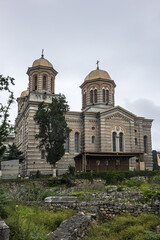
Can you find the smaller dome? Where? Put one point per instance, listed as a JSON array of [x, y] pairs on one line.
[[42, 62], [25, 93], [97, 74]]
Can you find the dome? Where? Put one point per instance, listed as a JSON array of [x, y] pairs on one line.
[[42, 62], [97, 74], [25, 93]]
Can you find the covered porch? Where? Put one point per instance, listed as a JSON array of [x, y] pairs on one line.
[[88, 161]]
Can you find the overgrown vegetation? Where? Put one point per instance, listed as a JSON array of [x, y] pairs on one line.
[[126, 227], [30, 223]]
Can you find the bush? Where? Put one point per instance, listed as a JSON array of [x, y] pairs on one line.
[[114, 177], [134, 182]]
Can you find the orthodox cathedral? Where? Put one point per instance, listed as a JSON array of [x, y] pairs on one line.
[[104, 137]]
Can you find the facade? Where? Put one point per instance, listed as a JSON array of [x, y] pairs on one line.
[[103, 136]]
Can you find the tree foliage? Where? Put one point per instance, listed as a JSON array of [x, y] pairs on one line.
[[53, 129], [13, 153], [5, 127]]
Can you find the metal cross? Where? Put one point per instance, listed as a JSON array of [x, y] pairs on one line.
[[42, 53], [97, 65]]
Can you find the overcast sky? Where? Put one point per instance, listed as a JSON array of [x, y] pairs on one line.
[[124, 35]]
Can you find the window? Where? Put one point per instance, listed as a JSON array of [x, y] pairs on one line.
[[84, 99], [35, 83], [136, 142], [76, 142], [66, 145], [114, 134], [93, 139], [43, 155], [107, 96], [104, 95], [145, 144], [91, 96], [118, 162], [52, 85], [121, 142], [95, 95], [44, 82]]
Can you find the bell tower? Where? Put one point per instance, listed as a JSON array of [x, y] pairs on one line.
[[42, 76], [97, 91]]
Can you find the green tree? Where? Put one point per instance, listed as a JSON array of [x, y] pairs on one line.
[[13, 153], [53, 129], [5, 127]]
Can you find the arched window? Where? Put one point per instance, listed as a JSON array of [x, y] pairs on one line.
[[95, 95], [136, 142], [114, 134], [103, 95], [145, 144], [84, 99], [107, 96], [44, 82], [93, 139], [76, 142], [121, 142], [52, 85], [35, 83], [91, 96], [66, 145]]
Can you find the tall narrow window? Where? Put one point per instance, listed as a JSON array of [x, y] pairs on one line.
[[107, 96], [104, 95], [43, 154], [52, 85], [91, 96], [84, 99], [76, 142], [136, 142], [93, 139], [35, 82], [66, 145], [145, 144], [44, 82], [121, 142], [114, 141], [95, 95]]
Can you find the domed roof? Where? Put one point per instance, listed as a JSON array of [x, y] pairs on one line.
[[25, 93], [97, 74], [42, 62]]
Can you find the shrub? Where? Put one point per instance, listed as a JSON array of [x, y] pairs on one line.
[[134, 182]]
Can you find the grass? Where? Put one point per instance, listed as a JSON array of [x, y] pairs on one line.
[[126, 228], [30, 223]]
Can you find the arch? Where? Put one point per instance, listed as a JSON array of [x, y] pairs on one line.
[[76, 142], [107, 96], [104, 94], [35, 82], [44, 86], [121, 142], [114, 135], [145, 139], [67, 144], [91, 96], [95, 95], [84, 99]]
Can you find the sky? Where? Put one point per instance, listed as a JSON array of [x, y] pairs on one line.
[[124, 35]]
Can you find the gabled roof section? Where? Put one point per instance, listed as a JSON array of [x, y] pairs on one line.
[[123, 112]]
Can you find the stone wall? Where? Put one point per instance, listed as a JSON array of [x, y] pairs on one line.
[[4, 230], [74, 228], [106, 210]]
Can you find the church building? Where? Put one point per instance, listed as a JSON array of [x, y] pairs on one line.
[[104, 137]]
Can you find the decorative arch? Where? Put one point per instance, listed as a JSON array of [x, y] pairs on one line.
[[117, 133]]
